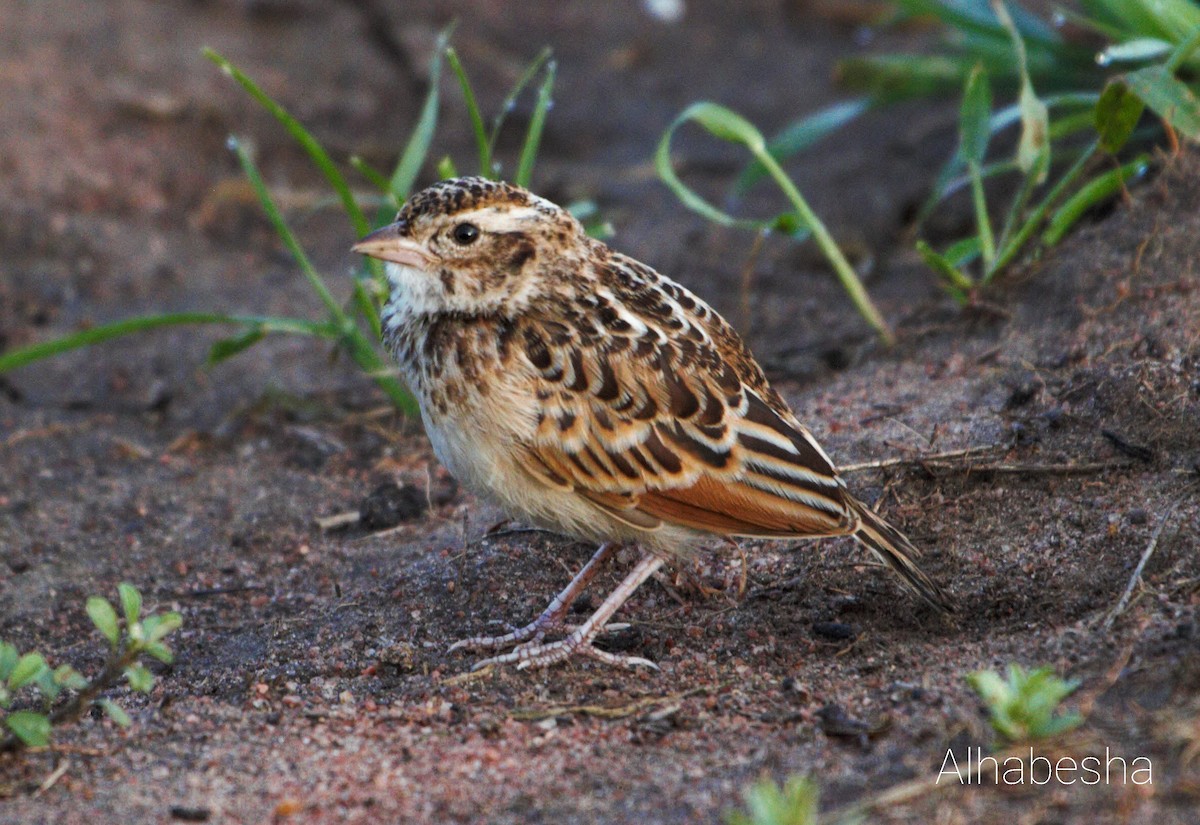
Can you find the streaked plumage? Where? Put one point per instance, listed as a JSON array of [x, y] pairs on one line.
[[590, 394]]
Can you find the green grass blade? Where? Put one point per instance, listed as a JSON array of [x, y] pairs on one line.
[[285, 233], [974, 116], [537, 124], [801, 134], [1095, 191], [707, 115], [302, 136], [510, 101], [1009, 252], [417, 148], [477, 127], [728, 125], [21, 356], [955, 279], [377, 178]]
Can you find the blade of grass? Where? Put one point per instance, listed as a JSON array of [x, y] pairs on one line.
[[973, 140], [1095, 191], [350, 336], [480, 131], [537, 123], [510, 101], [417, 148], [801, 134], [1006, 254], [728, 125], [957, 282], [311, 146], [1033, 151], [22, 356], [688, 196], [324, 164], [376, 178], [285, 233]]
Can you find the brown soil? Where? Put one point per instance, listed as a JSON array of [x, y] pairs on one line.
[[312, 681]]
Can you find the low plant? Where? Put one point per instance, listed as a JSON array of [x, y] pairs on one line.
[[769, 804], [1080, 105], [800, 223], [64, 694], [1025, 705]]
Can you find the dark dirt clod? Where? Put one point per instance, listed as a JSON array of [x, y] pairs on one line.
[[390, 504]]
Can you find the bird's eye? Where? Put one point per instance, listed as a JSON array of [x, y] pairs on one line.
[[465, 233]]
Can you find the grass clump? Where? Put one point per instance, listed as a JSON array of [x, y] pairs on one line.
[[352, 327], [1094, 91], [64, 694]]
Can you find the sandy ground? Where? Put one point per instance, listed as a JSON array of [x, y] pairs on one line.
[[312, 681]]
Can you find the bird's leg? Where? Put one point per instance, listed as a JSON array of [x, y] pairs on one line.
[[552, 616], [579, 641]]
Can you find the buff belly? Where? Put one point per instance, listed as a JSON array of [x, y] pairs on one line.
[[469, 449]]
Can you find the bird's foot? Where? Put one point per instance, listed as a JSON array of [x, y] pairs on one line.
[[551, 618], [535, 631], [537, 653], [532, 651]]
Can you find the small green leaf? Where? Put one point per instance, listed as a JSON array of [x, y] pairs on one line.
[[48, 686], [27, 669], [955, 281], [228, 347], [156, 628], [31, 728], [115, 712], [1117, 113], [69, 677], [768, 804], [8, 660], [139, 678], [131, 603], [973, 116], [104, 617], [159, 651], [1023, 706]]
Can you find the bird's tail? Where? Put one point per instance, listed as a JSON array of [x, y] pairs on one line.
[[895, 550]]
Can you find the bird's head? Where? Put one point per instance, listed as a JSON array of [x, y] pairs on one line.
[[473, 245]]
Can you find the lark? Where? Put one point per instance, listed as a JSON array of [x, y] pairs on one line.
[[590, 395]]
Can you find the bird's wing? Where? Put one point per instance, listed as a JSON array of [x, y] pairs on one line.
[[653, 418]]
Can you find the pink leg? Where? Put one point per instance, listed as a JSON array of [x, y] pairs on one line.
[[539, 654], [552, 616]]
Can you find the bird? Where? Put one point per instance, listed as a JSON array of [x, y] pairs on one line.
[[590, 395]]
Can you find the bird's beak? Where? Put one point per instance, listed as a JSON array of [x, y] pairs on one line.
[[386, 244]]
